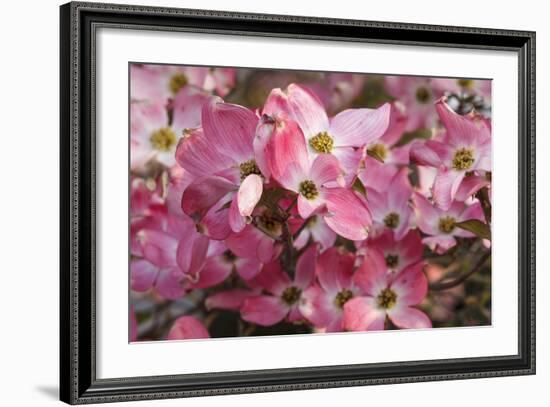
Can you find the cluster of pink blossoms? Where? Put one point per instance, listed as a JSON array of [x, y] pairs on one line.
[[286, 214]]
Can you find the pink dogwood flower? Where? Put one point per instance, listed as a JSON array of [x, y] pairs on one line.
[[398, 253], [342, 136], [344, 211], [169, 257], [338, 89], [323, 303], [151, 133], [221, 156], [285, 294], [391, 209], [187, 327], [161, 82], [440, 225], [418, 96], [386, 296], [465, 148]]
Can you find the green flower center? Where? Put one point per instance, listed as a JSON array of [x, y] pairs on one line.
[[249, 167], [392, 260], [463, 159], [163, 139], [291, 295], [308, 189], [342, 297], [423, 95], [177, 81], [447, 224], [322, 142], [386, 299], [392, 220], [466, 83], [378, 150]]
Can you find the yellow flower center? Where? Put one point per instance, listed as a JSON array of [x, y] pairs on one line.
[[291, 295], [386, 299], [392, 220], [463, 159], [177, 81], [423, 95], [466, 83], [342, 297], [308, 190], [322, 142], [163, 139], [447, 224], [378, 150], [249, 167], [392, 260]]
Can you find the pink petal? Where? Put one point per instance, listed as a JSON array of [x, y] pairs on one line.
[[187, 107], [230, 128], [372, 276], [263, 310], [248, 268], [411, 285], [348, 214], [408, 317], [324, 169], [249, 194], [427, 215], [169, 285], [469, 186], [307, 207], [197, 153], [142, 275], [350, 161], [273, 279], [187, 328], [263, 135], [440, 244], [400, 190], [305, 267], [318, 307], [204, 193], [191, 253], [158, 247], [362, 312], [215, 223], [445, 186], [322, 233], [377, 175], [334, 270], [214, 272], [359, 127], [236, 220], [462, 130], [250, 243], [302, 105], [228, 300], [422, 154], [286, 154]]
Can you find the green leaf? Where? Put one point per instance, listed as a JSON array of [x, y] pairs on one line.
[[476, 227]]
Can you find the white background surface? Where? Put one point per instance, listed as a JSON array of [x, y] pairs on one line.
[[116, 359], [29, 204]]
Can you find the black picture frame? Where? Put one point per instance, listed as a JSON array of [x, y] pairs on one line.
[[78, 381]]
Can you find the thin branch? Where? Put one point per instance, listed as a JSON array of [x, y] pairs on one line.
[[445, 285]]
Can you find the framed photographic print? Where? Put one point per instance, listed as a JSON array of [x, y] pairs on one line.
[[257, 203]]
